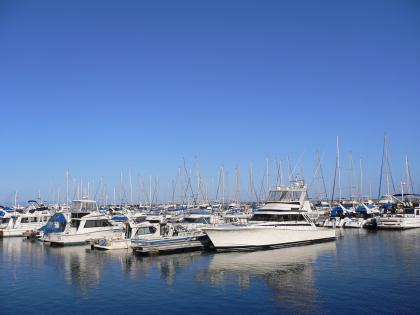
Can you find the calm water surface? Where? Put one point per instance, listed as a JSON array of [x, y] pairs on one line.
[[363, 272]]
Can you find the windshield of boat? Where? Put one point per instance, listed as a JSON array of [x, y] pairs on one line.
[[204, 220], [284, 196], [277, 217], [145, 230], [75, 223]]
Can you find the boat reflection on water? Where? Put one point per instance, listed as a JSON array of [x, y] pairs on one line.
[[168, 266], [288, 271], [85, 268], [79, 265]]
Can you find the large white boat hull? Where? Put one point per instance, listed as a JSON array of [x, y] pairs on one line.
[[260, 236], [398, 223]]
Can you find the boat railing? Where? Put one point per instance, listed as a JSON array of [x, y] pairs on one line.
[[308, 219]]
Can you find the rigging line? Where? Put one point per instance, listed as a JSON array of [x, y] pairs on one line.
[[335, 175], [390, 174], [189, 183], [297, 164], [382, 167]]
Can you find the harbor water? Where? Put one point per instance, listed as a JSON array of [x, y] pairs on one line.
[[362, 272]]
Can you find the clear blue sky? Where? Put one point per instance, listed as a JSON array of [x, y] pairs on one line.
[[103, 86]]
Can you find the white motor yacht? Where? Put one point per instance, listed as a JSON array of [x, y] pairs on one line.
[[16, 223], [140, 230], [85, 224], [283, 221]]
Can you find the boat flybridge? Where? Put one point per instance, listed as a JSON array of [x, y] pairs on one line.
[[285, 219], [85, 224]]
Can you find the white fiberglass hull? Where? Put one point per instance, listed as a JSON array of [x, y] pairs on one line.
[[262, 236], [398, 223], [332, 223], [12, 233], [351, 223], [17, 232], [113, 244], [61, 239]]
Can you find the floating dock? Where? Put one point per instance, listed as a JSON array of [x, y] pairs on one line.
[[170, 245]]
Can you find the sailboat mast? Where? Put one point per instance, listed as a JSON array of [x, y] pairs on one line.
[[281, 172], [131, 186], [408, 176], [267, 176], [338, 170], [150, 192], [115, 197], [223, 186], [361, 179], [67, 187], [351, 175]]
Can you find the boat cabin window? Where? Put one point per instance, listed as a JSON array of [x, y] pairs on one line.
[[276, 217], [140, 219], [146, 230], [75, 223], [34, 220], [204, 220], [24, 220], [4, 220], [97, 223], [78, 215], [83, 206], [409, 211], [284, 196]]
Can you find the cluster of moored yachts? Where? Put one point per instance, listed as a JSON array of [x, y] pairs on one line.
[[287, 218]]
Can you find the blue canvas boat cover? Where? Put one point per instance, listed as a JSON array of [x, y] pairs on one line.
[[336, 211], [57, 223], [361, 209], [120, 218]]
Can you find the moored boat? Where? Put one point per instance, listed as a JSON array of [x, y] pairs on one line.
[[86, 224], [283, 221]]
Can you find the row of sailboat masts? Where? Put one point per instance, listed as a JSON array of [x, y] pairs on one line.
[[353, 193], [122, 195], [385, 174], [386, 171]]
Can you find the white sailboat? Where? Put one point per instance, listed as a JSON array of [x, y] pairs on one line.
[[404, 212]]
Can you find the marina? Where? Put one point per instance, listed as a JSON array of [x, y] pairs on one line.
[[209, 157]]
